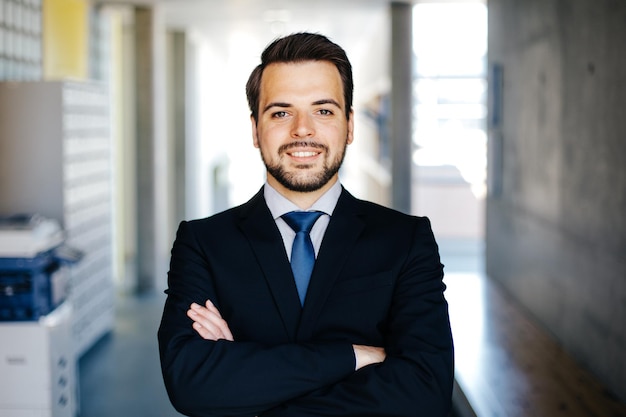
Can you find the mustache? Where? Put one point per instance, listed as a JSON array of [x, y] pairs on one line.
[[301, 144]]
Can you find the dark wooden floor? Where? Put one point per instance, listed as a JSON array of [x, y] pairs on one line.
[[508, 366]]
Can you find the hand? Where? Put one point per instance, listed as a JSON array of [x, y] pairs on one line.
[[208, 322], [368, 355]]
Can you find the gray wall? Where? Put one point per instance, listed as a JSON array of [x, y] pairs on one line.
[[556, 213]]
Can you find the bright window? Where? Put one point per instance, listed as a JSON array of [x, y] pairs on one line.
[[450, 46]]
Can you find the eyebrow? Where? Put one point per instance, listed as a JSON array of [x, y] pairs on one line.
[[315, 103], [326, 101], [276, 104]]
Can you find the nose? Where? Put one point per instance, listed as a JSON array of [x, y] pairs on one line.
[[302, 126]]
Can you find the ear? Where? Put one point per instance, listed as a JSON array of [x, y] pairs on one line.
[[350, 136], [255, 136]]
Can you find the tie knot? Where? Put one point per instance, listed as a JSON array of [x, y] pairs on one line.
[[301, 221]]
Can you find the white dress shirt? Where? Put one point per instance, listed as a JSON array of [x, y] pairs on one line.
[[279, 205]]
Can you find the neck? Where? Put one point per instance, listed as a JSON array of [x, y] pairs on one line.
[[304, 200]]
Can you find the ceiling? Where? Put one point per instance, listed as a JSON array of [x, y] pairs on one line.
[[345, 21], [261, 15]]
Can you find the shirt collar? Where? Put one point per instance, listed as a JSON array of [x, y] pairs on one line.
[[280, 205]]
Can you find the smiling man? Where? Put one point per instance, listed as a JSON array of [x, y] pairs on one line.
[[306, 301]]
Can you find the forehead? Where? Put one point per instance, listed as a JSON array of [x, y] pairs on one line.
[[301, 79]]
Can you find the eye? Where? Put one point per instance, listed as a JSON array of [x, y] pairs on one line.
[[325, 112], [279, 114]]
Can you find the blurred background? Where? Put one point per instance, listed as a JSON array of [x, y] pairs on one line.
[[500, 120]]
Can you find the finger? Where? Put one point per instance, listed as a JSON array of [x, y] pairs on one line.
[[226, 332], [212, 320], [205, 327], [211, 307], [203, 332], [221, 322], [209, 314]]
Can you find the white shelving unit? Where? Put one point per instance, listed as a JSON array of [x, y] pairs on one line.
[[55, 159]]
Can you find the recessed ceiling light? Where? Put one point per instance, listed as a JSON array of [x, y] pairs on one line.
[[277, 15]]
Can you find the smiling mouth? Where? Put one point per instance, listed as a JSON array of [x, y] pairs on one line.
[[303, 154], [293, 148], [303, 149]]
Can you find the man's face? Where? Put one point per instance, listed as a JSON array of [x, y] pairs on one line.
[[302, 130]]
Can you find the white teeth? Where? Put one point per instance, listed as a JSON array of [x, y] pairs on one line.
[[303, 154]]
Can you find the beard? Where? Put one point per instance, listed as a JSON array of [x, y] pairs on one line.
[[298, 180]]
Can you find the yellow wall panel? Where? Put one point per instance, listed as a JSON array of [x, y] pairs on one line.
[[65, 39]]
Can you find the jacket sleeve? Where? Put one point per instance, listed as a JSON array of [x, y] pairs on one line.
[[417, 376], [219, 378]]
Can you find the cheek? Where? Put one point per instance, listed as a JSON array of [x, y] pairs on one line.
[[338, 135], [265, 146], [265, 133], [271, 137]]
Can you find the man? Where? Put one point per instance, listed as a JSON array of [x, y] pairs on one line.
[[367, 335]]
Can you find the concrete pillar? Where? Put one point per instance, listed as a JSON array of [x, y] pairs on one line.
[[177, 90], [401, 104], [152, 189]]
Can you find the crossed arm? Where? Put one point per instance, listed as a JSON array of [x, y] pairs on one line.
[[209, 324]]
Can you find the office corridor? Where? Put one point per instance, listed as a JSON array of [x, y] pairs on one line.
[[147, 83]]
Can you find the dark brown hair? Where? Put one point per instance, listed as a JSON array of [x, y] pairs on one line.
[[300, 47]]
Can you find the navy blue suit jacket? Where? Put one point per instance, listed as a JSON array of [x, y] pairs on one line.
[[377, 281]]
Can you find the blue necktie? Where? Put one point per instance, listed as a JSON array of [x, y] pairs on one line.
[[302, 252]]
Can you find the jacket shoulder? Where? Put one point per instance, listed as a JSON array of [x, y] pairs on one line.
[[381, 212]]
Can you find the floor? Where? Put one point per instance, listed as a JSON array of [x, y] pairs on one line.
[[120, 375], [508, 364]]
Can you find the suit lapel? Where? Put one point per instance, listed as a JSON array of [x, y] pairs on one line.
[[343, 231], [259, 227]]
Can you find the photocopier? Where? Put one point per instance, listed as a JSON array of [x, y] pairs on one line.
[[37, 359]]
